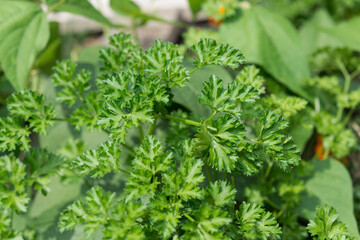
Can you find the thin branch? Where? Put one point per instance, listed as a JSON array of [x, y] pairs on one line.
[[187, 121]]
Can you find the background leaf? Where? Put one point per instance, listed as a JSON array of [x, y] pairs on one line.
[[195, 6], [329, 183], [348, 32], [188, 95], [313, 35], [24, 33], [80, 7], [126, 7], [267, 39]]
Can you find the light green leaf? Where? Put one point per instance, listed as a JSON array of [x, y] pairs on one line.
[[24, 33], [79, 7], [222, 193], [348, 33], [313, 35], [256, 223], [195, 6], [271, 41], [126, 7], [330, 183]]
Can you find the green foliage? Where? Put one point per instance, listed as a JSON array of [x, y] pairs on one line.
[[250, 75], [72, 87], [287, 106], [93, 211], [98, 162], [327, 226], [150, 160], [31, 107], [280, 54], [256, 223], [13, 177], [183, 176], [24, 106], [209, 52]]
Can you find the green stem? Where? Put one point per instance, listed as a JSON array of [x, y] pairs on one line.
[[233, 180], [347, 78], [189, 217], [61, 2], [141, 133], [355, 73], [212, 115], [208, 173], [271, 203], [187, 121], [348, 116], [124, 171], [194, 70], [62, 119], [152, 126], [174, 23], [134, 31], [127, 147], [268, 169]]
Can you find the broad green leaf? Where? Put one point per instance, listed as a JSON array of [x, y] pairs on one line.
[[271, 41], [329, 183], [313, 35], [348, 33], [80, 7], [24, 33], [126, 7]]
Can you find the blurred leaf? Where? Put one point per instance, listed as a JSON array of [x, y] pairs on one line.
[[48, 57], [195, 6], [126, 8], [24, 33], [130, 9], [313, 35], [348, 32], [188, 95], [271, 41], [329, 183], [80, 7]]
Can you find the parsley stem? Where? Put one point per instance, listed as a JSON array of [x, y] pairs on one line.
[[272, 203], [189, 217], [187, 121], [268, 169], [127, 147], [141, 133], [194, 70], [124, 171], [207, 169], [346, 88], [152, 126], [62, 119]]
